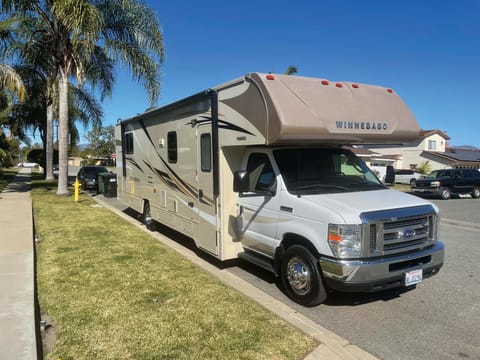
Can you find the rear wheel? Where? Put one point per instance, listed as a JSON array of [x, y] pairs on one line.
[[476, 192], [446, 194], [301, 277], [147, 217]]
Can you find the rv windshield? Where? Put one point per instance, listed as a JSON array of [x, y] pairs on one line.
[[321, 171]]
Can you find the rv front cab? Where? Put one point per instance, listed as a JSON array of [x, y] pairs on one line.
[[324, 220]]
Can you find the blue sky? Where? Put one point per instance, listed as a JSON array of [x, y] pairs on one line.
[[427, 51]]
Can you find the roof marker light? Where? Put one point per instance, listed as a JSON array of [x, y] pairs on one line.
[[390, 91], [355, 86], [270, 77], [325, 82], [339, 85]]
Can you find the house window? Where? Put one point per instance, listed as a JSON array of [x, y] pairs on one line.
[[432, 145], [172, 147]]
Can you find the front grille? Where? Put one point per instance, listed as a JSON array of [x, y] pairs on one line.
[[400, 230], [422, 184]]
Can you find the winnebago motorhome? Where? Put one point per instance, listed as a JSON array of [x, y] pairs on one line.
[[259, 168]]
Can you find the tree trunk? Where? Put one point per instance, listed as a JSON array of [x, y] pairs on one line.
[[63, 134], [49, 143]]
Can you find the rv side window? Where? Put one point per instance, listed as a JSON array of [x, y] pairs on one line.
[[172, 147], [206, 152], [129, 143]]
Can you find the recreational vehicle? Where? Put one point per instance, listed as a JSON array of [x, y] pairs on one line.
[[260, 168]]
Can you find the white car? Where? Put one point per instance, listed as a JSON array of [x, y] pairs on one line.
[[407, 176]]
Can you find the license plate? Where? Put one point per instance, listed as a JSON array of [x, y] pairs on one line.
[[413, 277]]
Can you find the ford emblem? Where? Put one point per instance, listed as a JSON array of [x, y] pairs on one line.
[[408, 234]]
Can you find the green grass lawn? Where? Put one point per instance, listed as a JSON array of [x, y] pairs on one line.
[[114, 292]]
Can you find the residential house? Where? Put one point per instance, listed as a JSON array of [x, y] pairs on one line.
[[416, 153]]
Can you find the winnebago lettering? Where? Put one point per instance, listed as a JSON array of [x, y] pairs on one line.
[[361, 125]]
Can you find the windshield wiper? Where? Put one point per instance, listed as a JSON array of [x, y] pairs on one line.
[[365, 183], [325, 186]]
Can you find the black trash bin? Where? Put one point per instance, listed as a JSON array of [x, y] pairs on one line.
[[110, 185], [101, 182]]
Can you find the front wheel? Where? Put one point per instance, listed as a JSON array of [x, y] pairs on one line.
[[476, 192], [446, 194], [301, 277]]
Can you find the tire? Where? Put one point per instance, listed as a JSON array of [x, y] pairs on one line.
[[301, 277], [475, 192], [147, 216], [446, 194]]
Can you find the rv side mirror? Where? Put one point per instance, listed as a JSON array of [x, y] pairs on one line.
[[241, 181], [390, 176]]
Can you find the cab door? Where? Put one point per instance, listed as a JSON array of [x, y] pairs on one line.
[[207, 213], [258, 208]]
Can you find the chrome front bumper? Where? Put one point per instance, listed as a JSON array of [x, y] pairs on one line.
[[381, 273]]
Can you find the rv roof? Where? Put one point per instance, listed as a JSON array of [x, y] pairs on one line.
[[303, 109]]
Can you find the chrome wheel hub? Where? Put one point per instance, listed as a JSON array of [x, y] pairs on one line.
[[298, 275]]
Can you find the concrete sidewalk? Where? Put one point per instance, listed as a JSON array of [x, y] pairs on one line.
[[18, 336]]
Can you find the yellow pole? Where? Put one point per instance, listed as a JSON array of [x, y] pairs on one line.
[[76, 185]]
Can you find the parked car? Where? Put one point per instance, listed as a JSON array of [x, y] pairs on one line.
[[448, 182], [407, 176], [87, 176]]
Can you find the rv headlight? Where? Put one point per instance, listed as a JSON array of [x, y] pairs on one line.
[[345, 240]]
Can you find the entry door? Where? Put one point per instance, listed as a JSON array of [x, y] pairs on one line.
[[207, 217]]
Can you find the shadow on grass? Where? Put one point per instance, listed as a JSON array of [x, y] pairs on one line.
[[335, 298], [188, 243]]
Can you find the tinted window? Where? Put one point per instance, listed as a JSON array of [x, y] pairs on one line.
[[317, 170], [206, 152], [172, 147], [129, 143]]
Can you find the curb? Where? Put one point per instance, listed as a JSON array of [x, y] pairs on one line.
[[331, 346]]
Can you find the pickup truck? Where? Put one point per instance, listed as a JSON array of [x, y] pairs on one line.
[[448, 182]]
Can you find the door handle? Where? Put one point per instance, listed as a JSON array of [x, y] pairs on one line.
[[191, 204]]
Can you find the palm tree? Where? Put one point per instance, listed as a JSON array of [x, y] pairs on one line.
[[74, 32], [10, 80], [128, 30], [291, 70], [83, 107], [12, 88]]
